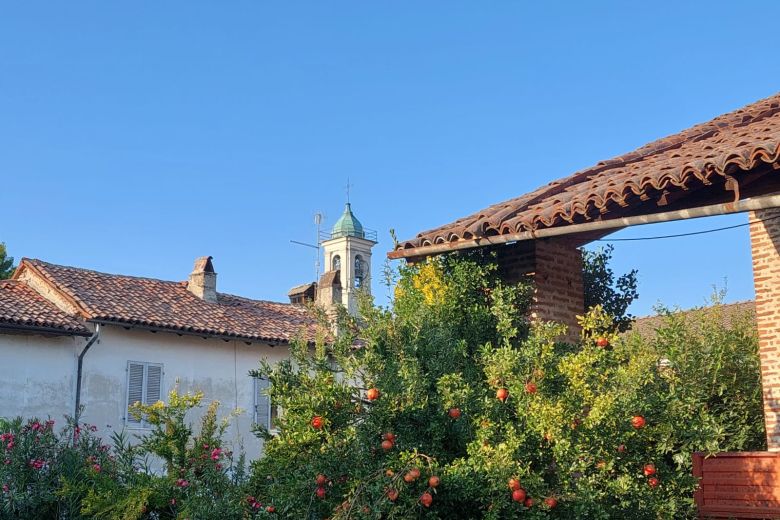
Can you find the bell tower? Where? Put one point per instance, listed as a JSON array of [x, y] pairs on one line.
[[347, 251]]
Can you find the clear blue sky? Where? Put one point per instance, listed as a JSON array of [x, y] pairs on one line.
[[136, 136]]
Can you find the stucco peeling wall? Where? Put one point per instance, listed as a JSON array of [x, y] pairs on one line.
[[38, 377]]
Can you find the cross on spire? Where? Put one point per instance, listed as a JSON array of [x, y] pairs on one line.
[[348, 187]]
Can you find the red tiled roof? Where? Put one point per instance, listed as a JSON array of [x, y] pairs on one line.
[[727, 145], [169, 305], [21, 308], [728, 313]]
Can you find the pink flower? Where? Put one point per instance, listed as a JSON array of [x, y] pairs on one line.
[[10, 445], [36, 426], [5, 488], [182, 483], [93, 428], [173, 501], [215, 453], [37, 463], [7, 461], [96, 467], [218, 467]]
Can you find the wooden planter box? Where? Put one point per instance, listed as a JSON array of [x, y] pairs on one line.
[[738, 485]]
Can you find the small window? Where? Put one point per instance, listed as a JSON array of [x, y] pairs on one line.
[[265, 412], [144, 385], [336, 263]]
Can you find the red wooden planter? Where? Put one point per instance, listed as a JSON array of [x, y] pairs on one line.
[[738, 485]]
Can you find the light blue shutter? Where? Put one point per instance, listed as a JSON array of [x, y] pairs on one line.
[[135, 389], [262, 403], [153, 384]]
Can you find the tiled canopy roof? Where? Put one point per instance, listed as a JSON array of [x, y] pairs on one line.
[[166, 305], [726, 146], [21, 308]]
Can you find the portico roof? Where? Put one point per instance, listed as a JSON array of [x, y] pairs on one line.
[[719, 161]]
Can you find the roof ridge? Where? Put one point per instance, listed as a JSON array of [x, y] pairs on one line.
[[103, 273], [255, 300], [146, 278], [696, 308]]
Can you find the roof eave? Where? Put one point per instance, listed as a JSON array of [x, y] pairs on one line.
[[17, 328], [764, 202], [274, 342]]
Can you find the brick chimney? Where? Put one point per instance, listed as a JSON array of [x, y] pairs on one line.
[[203, 280]]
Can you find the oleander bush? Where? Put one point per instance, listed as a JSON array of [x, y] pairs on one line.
[[71, 473]]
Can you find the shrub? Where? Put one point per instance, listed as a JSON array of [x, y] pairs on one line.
[[201, 479], [72, 474], [36, 460], [464, 390]]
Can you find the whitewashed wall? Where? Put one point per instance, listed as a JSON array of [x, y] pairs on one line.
[[38, 376]]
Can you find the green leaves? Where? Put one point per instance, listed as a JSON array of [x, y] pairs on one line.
[[6, 263]]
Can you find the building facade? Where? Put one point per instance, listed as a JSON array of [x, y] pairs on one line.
[[72, 337]]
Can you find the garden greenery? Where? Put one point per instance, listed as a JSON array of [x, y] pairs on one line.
[[448, 404]]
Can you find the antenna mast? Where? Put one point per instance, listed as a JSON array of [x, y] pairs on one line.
[[318, 224], [318, 217]]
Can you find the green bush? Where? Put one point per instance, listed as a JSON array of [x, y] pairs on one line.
[[72, 474], [36, 460], [602, 429]]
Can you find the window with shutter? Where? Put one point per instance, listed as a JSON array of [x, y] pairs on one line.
[[153, 384], [144, 385], [262, 403], [265, 412]]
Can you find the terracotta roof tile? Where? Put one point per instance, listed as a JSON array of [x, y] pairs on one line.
[[21, 308], [728, 313], [169, 305], [734, 142]]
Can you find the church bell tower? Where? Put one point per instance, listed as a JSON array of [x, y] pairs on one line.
[[347, 251]]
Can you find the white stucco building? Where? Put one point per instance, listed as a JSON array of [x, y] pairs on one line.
[[71, 336]]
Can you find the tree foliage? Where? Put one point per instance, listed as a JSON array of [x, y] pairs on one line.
[[613, 294], [441, 357], [6, 263]]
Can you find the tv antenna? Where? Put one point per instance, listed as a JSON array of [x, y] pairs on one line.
[[318, 217]]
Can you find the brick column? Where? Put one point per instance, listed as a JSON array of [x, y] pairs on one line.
[[765, 247], [554, 267]]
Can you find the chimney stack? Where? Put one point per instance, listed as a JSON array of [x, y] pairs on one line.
[[203, 280]]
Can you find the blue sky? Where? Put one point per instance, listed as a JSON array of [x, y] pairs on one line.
[[136, 136]]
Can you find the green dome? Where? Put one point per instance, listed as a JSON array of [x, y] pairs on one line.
[[347, 225]]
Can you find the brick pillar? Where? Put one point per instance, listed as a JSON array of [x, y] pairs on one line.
[[765, 247], [554, 267]]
